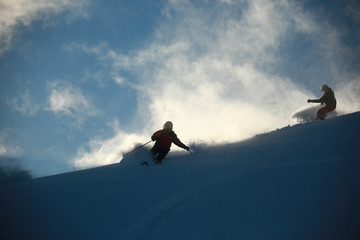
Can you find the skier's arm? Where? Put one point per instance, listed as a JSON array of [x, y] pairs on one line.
[[320, 100], [156, 135], [178, 143], [314, 100]]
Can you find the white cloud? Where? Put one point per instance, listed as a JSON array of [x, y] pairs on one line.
[[67, 100], [14, 13], [210, 72]]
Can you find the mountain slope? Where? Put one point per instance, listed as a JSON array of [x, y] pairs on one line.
[[299, 182]]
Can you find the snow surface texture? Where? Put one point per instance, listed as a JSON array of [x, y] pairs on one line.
[[299, 182]]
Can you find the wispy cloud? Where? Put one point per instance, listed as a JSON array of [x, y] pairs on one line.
[[349, 95], [8, 147], [213, 73], [67, 100], [15, 13], [353, 10], [25, 104], [98, 77]]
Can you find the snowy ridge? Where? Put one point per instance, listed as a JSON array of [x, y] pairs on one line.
[[299, 182]]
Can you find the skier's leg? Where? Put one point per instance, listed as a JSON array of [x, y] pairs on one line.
[[154, 150], [321, 114], [162, 155]]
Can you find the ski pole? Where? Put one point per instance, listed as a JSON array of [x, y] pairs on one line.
[[136, 148]]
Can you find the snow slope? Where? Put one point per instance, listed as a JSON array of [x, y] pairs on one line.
[[299, 182]]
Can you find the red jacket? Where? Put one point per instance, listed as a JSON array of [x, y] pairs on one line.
[[164, 139]]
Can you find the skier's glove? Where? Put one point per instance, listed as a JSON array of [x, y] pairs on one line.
[[186, 148], [309, 101]]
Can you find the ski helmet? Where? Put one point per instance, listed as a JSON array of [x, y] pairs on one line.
[[324, 86], [168, 126]]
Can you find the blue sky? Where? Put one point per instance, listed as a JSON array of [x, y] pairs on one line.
[[81, 83]]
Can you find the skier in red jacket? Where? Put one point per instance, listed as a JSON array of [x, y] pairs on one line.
[[328, 98], [164, 138]]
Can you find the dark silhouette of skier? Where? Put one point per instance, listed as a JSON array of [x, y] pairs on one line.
[[164, 138], [328, 98]]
